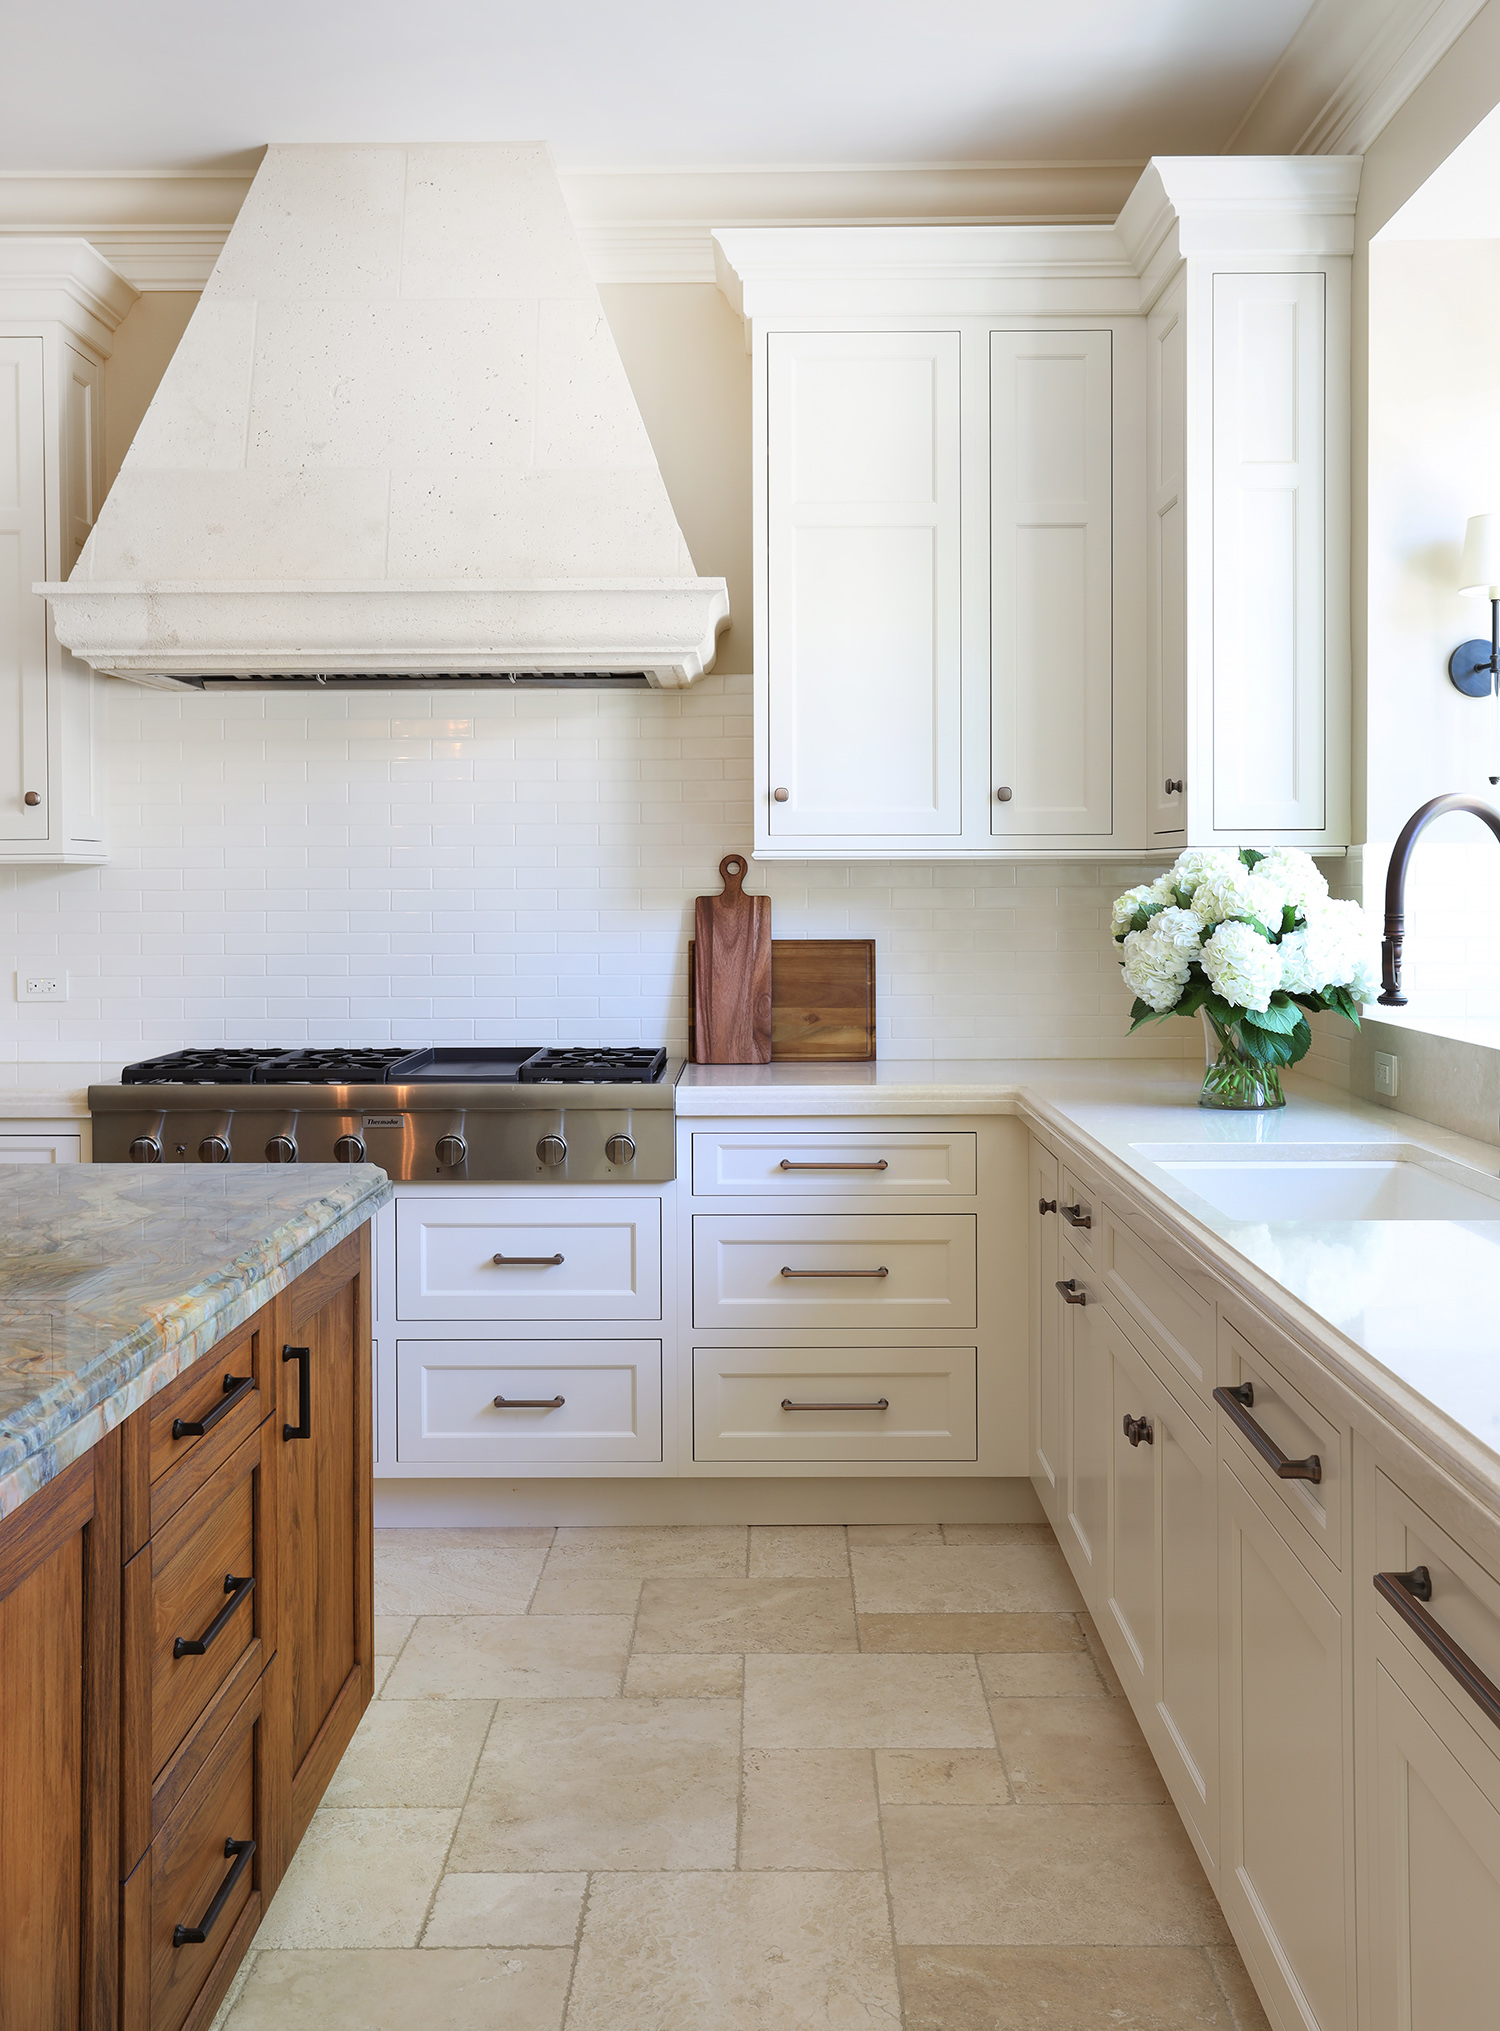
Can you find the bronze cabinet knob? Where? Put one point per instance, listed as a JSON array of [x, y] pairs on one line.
[[781, 796], [1004, 794], [33, 798]]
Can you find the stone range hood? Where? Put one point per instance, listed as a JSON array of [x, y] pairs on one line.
[[396, 441]]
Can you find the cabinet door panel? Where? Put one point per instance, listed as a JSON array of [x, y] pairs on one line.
[[23, 616], [1086, 1371], [1052, 582], [1286, 1862], [863, 584], [1270, 653], [1188, 1693], [1167, 571], [1046, 1333], [1134, 1603]]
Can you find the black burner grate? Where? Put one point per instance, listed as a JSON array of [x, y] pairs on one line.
[[337, 1067], [584, 1066]]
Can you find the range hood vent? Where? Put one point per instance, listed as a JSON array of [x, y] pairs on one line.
[[395, 444]]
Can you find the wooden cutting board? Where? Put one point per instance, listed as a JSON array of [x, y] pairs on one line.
[[822, 1000], [730, 996]]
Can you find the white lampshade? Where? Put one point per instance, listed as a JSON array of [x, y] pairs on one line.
[[1480, 570]]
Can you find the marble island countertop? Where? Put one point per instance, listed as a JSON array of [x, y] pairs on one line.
[[1406, 1311], [114, 1279]]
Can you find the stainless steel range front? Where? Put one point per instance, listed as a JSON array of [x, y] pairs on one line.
[[470, 1113]]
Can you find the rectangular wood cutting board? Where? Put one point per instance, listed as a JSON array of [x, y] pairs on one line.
[[822, 1000]]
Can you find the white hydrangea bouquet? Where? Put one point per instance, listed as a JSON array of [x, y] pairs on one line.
[[1253, 943]]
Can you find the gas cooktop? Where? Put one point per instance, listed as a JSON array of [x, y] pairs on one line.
[[462, 1064]]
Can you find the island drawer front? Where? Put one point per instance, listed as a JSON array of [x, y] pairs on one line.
[[854, 1271], [740, 1396], [1299, 1431], [1465, 1597], [1179, 1319], [177, 1465], [610, 1408], [179, 1881], [763, 1164], [586, 1259]]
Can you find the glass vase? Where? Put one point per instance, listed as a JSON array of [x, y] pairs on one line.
[[1231, 1078]]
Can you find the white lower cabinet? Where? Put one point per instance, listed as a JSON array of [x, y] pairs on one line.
[[1045, 1328], [42, 1146], [569, 1402], [1089, 1340], [834, 1403], [480, 1257], [1286, 1875]]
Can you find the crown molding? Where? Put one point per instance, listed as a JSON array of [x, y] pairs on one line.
[[1342, 78], [66, 281]]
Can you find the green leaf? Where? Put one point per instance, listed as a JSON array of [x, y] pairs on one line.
[[1284, 1018], [1250, 857], [1301, 1042], [1289, 918]]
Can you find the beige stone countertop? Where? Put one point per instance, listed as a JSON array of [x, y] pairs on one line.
[[39, 1089]]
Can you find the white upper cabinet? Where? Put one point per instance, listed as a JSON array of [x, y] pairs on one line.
[[1051, 524], [1051, 583], [60, 303], [862, 710]]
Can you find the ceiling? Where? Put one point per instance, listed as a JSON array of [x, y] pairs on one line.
[[177, 84]]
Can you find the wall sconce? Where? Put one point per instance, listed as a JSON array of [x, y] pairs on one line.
[[1474, 667]]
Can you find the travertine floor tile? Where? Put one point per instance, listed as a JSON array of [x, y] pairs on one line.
[[1100, 1655], [598, 1571], [604, 1784], [1065, 1988], [1075, 1752], [894, 1533], [382, 1669], [742, 1615], [1042, 1675], [798, 1552], [511, 1657], [970, 1633], [455, 1991], [865, 1702], [1046, 1875], [411, 1752], [701, 1677], [809, 1809], [998, 1533], [391, 1631], [360, 1878], [457, 1572], [533, 1910], [1245, 2011], [941, 1777], [926, 1579], [736, 1952]]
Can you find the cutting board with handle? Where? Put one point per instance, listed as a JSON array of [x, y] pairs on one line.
[[732, 972]]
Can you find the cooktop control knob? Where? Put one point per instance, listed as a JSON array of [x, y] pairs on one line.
[[620, 1149], [451, 1150], [214, 1149], [350, 1149], [145, 1150], [281, 1150], [552, 1150]]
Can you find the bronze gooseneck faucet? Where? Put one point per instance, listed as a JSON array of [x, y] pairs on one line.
[[1395, 886]]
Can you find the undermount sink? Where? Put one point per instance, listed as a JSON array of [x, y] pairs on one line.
[[1391, 1185]]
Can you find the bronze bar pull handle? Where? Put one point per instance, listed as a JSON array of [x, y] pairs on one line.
[[834, 1272], [303, 1358], [1046, 1205], [1237, 1402], [237, 1590], [1076, 1217], [1139, 1430], [236, 1388], [881, 1403], [194, 1935], [530, 1402], [1071, 1294], [879, 1164], [1406, 1593], [526, 1261]]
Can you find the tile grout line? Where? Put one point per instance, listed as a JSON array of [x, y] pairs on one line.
[[583, 1908], [890, 1901], [537, 1582], [457, 1823]]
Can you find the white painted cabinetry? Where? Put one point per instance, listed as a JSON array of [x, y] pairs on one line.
[[60, 303]]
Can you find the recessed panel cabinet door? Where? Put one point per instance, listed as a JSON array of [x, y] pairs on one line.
[[23, 616], [1051, 583], [1046, 1334], [1167, 535], [1088, 1339], [863, 585]]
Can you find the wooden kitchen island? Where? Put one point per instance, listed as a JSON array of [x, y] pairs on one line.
[[185, 1567]]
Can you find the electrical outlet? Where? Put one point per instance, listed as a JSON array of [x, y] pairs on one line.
[[1387, 1071], [50, 984]]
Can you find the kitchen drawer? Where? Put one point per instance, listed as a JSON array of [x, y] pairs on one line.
[[1297, 1430], [1078, 1209], [1180, 1320], [191, 1875], [765, 1165], [1464, 1601], [589, 1259], [187, 1431], [610, 1408], [913, 1272], [175, 1701], [751, 1403]]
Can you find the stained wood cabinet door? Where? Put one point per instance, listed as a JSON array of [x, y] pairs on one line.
[[1046, 1333], [59, 1750], [1286, 1879], [324, 1669]]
